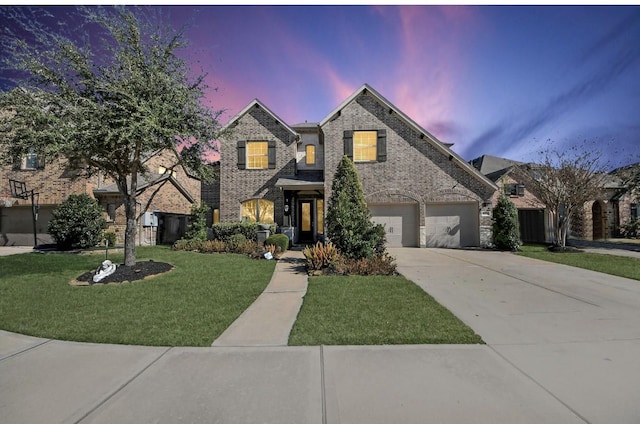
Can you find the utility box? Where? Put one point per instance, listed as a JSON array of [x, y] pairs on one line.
[[149, 219]]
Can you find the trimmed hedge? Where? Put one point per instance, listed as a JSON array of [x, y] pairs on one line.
[[281, 241], [224, 230]]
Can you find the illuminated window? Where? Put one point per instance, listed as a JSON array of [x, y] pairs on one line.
[[306, 217], [164, 170], [364, 146], [216, 216], [257, 155], [320, 215], [310, 154], [258, 210]]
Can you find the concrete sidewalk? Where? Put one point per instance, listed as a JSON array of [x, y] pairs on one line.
[[53, 382], [268, 321]]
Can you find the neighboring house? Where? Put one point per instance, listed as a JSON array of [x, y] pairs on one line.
[[170, 192], [422, 191], [604, 217], [534, 221], [600, 219]]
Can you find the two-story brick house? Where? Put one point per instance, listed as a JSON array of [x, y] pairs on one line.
[[167, 193], [422, 191]]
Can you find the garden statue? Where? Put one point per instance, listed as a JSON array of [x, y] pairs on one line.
[[107, 268]]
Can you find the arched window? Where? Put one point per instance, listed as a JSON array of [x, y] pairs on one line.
[[258, 210], [310, 154]]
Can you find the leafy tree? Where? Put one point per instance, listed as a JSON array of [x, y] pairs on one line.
[[198, 227], [564, 181], [506, 228], [349, 225], [104, 101], [77, 222]]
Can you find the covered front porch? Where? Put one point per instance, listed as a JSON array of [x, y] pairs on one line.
[[303, 208]]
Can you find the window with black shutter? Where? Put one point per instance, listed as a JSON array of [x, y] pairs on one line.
[[366, 146]]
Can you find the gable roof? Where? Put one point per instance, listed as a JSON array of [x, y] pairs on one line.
[[488, 164], [425, 135], [259, 104], [145, 181]]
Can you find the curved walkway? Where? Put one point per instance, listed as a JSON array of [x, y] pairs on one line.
[[562, 347]]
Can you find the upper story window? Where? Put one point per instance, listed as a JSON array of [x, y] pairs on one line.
[[256, 154], [310, 154], [634, 210], [165, 170], [514, 189], [31, 161], [366, 146]]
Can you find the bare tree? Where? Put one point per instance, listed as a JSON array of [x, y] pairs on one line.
[[564, 181], [103, 97]]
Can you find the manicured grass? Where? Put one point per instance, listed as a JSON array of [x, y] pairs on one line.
[[608, 264], [188, 306], [355, 310]]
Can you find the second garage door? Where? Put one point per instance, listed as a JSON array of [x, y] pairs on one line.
[[400, 221], [452, 225]]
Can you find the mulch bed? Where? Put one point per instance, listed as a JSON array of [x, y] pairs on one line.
[[123, 273]]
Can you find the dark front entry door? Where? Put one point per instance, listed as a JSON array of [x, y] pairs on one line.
[[306, 220]]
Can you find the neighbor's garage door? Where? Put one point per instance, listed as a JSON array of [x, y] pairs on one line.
[[400, 221], [452, 225], [16, 225]]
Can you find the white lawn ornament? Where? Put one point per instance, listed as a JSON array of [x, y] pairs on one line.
[[107, 268]]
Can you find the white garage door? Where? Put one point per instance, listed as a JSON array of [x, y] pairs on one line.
[[452, 225], [400, 221]]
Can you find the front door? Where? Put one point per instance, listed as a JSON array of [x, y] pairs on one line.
[[306, 221]]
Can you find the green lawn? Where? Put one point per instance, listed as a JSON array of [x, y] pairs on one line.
[[354, 310], [608, 264], [189, 306]]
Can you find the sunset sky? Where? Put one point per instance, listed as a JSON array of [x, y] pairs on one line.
[[499, 80]]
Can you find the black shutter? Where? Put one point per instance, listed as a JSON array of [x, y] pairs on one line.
[[348, 144], [381, 146], [242, 154], [272, 154]]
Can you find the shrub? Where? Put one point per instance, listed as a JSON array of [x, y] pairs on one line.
[[631, 229], [349, 224], [279, 240], [377, 265], [111, 237], [320, 256], [234, 241], [224, 230], [198, 227], [77, 222], [189, 245], [506, 231], [217, 246]]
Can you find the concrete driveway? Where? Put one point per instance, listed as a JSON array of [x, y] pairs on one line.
[[574, 332]]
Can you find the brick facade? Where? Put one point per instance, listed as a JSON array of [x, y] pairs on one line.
[[55, 183], [418, 169], [238, 185]]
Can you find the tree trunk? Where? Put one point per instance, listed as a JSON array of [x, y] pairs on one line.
[[130, 230], [130, 197]]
